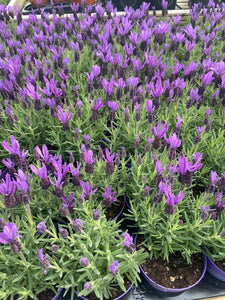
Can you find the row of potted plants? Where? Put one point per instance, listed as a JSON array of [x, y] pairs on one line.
[[95, 108]]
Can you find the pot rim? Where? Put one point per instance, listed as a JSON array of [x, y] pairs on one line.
[[171, 290], [117, 298]]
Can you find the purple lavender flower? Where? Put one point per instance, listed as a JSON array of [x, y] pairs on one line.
[[113, 108], [171, 201], [22, 181], [34, 95], [43, 261], [10, 236], [186, 168], [205, 212], [158, 134], [58, 181], [41, 227], [88, 286], [220, 204], [43, 174], [10, 165], [87, 189], [146, 191], [128, 243], [44, 156], [8, 188], [113, 268], [150, 108], [77, 225], [84, 261], [109, 159], [96, 214], [64, 117], [178, 126], [109, 197], [14, 149], [68, 205], [96, 107], [89, 167], [75, 174], [160, 170], [210, 188], [174, 143], [108, 86]]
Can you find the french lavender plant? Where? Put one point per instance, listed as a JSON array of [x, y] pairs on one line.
[[96, 263], [29, 270]]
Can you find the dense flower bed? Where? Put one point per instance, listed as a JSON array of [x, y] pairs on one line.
[[97, 106]]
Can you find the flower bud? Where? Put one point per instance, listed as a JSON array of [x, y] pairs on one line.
[[77, 225], [88, 286], [64, 233], [55, 248], [84, 261], [96, 214], [41, 227]]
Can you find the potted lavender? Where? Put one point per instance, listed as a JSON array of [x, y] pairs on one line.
[[26, 271], [169, 218], [94, 265]]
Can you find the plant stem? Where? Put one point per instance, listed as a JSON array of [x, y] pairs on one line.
[[22, 256], [29, 213], [12, 216]]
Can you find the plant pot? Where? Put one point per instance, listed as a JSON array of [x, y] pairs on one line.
[[122, 296], [158, 4], [119, 215], [171, 292], [121, 4], [56, 297], [43, 2], [214, 270], [88, 2]]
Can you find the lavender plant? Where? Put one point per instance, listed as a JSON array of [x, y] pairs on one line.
[[26, 270], [96, 263]]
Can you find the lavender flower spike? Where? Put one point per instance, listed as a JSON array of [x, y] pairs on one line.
[[113, 268], [109, 197], [8, 188], [10, 236], [109, 159], [89, 167], [171, 201], [77, 225], [41, 227], [14, 149], [64, 117], [113, 107], [87, 189], [43, 174], [43, 261], [84, 261], [128, 243]]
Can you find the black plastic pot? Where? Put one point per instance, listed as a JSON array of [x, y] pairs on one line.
[[158, 4], [203, 2], [121, 4]]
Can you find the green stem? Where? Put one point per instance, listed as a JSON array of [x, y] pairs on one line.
[[29, 213], [22, 256], [12, 216]]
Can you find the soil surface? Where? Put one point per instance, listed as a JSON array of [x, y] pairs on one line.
[[113, 211], [176, 273], [45, 295], [220, 264]]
